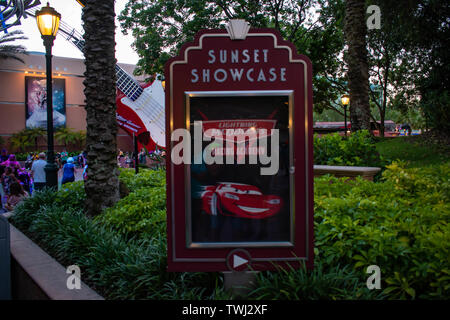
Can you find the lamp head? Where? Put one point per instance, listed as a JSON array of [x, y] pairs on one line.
[[345, 99], [48, 21]]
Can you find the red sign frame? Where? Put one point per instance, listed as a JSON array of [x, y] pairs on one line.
[[292, 72]]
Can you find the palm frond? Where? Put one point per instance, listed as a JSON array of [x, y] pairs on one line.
[[12, 36], [8, 51]]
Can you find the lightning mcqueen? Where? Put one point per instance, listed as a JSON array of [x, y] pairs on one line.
[[239, 200]]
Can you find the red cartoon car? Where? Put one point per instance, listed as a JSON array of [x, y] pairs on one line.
[[239, 200]]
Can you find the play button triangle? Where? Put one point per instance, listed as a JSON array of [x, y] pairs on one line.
[[238, 261]]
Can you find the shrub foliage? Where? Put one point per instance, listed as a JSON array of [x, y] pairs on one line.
[[400, 224], [358, 149]]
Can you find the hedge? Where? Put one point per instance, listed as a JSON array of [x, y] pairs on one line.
[[400, 224]]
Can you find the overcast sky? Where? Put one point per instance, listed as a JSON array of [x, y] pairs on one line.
[[70, 12]]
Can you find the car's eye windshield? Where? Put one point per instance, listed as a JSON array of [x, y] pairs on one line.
[[229, 189], [239, 191]]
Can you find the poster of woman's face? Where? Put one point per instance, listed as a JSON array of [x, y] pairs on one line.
[[36, 102]]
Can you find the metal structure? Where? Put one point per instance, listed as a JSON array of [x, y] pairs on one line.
[[15, 10], [48, 32]]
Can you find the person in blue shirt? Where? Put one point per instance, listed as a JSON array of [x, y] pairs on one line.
[[69, 171]]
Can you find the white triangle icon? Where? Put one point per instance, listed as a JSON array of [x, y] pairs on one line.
[[238, 261]]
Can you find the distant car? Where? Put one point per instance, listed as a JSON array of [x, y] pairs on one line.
[[239, 200]]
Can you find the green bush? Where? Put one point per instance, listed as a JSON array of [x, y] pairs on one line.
[[145, 178], [356, 150], [116, 267], [21, 156], [142, 212], [27, 209], [71, 195], [336, 283], [400, 224]]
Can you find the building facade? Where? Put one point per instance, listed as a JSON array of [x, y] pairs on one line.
[[17, 81]]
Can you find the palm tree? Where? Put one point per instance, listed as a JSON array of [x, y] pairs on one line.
[[80, 139], [358, 71], [21, 140], [9, 51], [35, 133], [67, 137], [102, 187], [26, 138]]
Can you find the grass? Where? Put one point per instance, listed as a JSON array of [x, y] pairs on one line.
[[413, 151]]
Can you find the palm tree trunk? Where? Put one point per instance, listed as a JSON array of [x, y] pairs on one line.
[[358, 71], [102, 186]]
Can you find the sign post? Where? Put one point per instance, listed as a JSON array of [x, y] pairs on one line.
[[239, 153]]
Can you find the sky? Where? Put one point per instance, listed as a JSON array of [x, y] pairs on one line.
[[70, 12]]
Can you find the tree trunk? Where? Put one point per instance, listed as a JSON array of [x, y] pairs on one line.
[[102, 185], [358, 71], [382, 127], [385, 93]]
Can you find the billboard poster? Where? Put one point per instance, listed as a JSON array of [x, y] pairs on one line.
[[239, 166], [231, 201], [36, 102]]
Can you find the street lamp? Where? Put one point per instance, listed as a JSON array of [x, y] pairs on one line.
[[345, 99], [48, 23]]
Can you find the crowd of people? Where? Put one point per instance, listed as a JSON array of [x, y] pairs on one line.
[[19, 182], [15, 182], [127, 159]]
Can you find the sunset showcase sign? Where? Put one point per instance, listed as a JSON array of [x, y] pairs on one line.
[[239, 177]]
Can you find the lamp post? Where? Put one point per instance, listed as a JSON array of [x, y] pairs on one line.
[[48, 23], [345, 99]]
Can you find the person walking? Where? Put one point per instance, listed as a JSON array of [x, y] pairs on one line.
[[69, 171], [38, 172]]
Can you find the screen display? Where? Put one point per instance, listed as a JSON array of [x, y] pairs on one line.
[[240, 188]]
